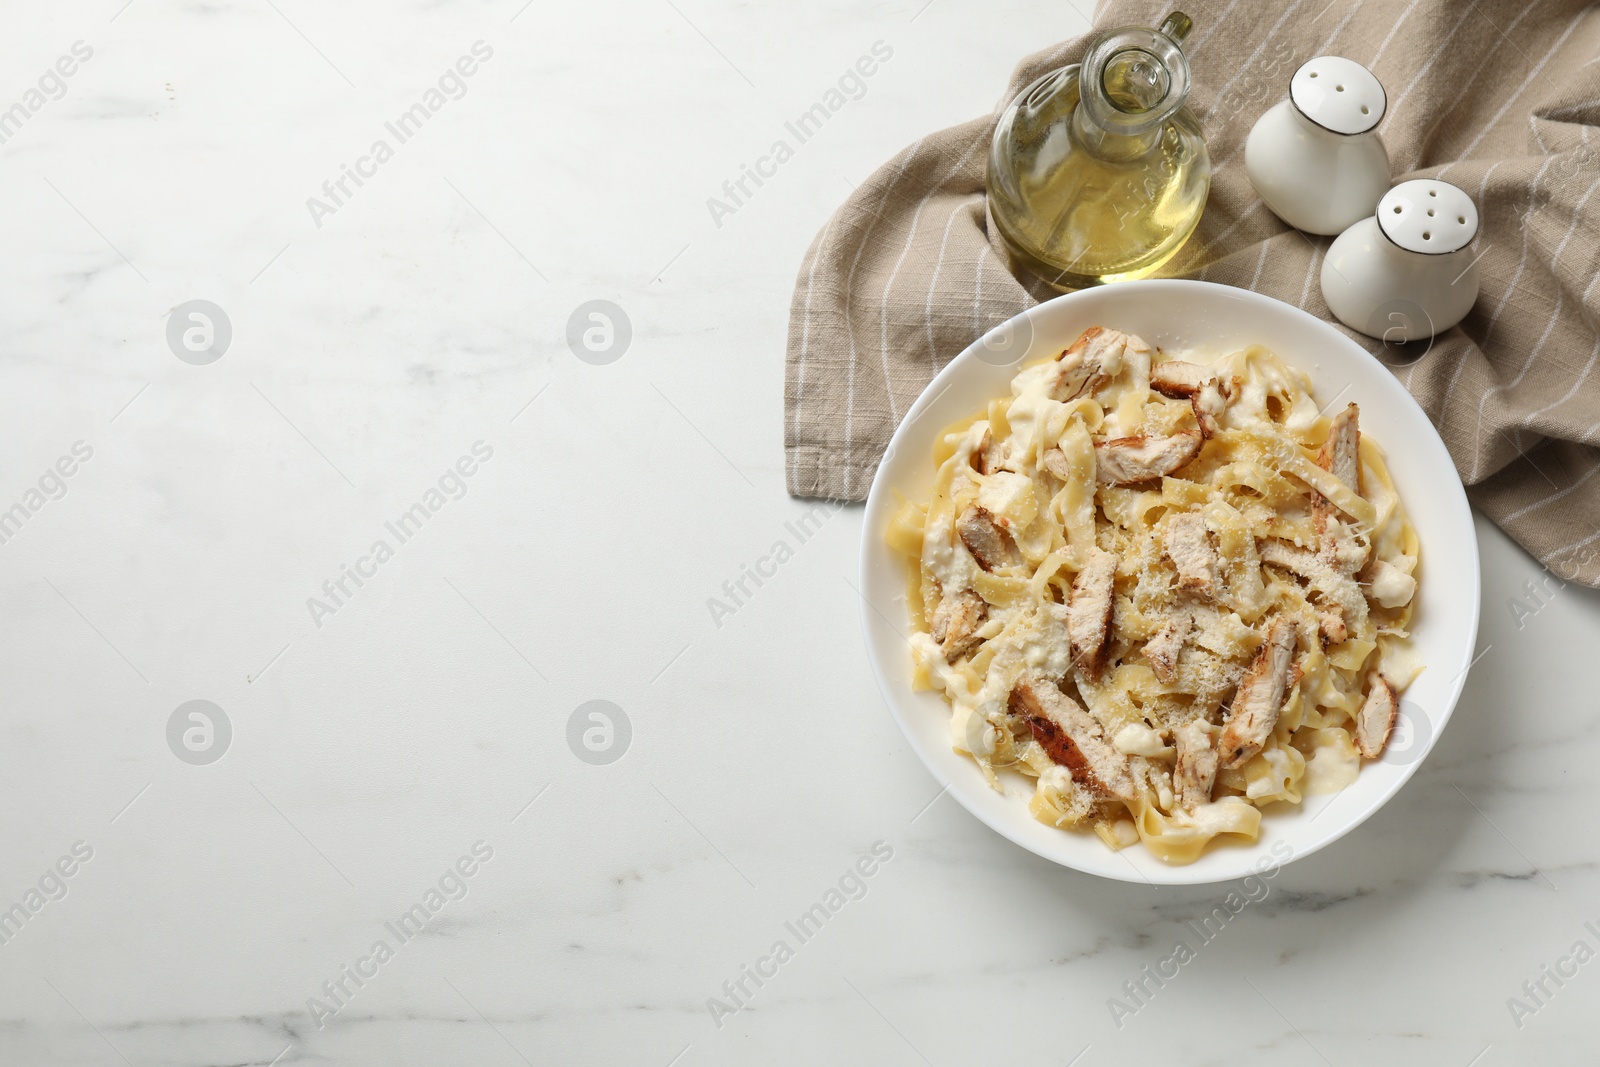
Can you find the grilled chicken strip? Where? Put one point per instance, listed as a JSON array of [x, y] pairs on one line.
[[1209, 404], [985, 538], [1178, 379], [1188, 545], [1196, 771], [1088, 363], [1163, 649], [956, 621], [1260, 696], [1340, 455], [988, 457], [1198, 384], [1055, 461], [1377, 716], [1331, 625], [1089, 612], [1071, 737], [1325, 578], [1125, 460]]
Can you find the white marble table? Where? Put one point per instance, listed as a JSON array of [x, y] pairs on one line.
[[409, 734]]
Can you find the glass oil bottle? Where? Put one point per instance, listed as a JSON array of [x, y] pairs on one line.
[[1098, 172]]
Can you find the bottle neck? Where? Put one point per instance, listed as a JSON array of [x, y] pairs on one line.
[[1108, 143], [1131, 82]]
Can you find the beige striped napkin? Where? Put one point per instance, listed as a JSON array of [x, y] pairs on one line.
[[1496, 96]]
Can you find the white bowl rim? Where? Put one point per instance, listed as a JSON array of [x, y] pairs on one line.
[[872, 535]]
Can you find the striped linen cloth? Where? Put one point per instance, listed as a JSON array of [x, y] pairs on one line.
[[1499, 97]]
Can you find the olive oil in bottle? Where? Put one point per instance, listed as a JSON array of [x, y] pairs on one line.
[[1098, 172]]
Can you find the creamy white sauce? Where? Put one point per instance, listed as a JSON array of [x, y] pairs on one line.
[[970, 732], [1029, 412], [1266, 380], [1276, 781], [1331, 767], [950, 566], [1137, 739], [1391, 586], [1215, 817], [931, 658]]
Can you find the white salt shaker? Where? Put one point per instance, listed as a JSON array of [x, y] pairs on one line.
[[1315, 158], [1405, 272]]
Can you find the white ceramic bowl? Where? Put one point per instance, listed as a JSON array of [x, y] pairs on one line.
[[1219, 318]]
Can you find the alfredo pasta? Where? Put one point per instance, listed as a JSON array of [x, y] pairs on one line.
[[1169, 593]]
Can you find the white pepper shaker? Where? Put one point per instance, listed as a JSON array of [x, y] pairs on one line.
[[1315, 158], [1406, 272]]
